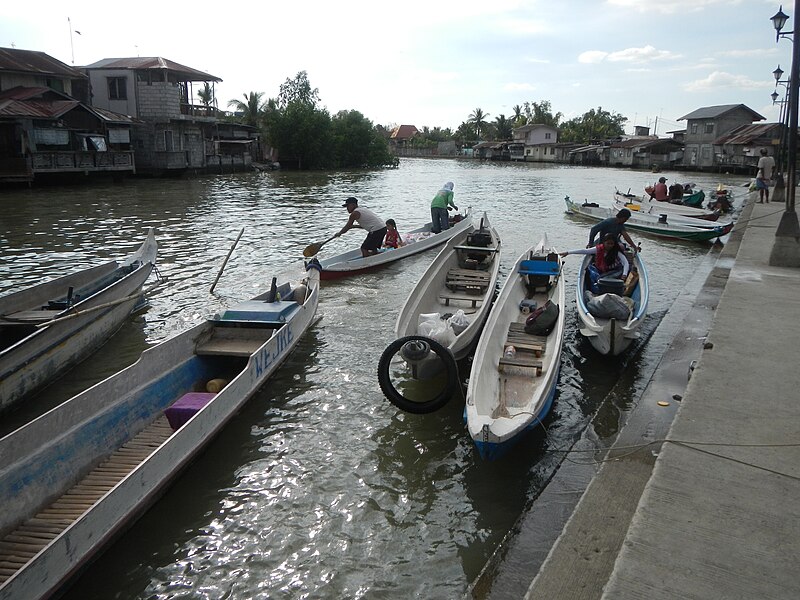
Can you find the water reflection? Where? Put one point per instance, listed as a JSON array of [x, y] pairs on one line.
[[319, 486]]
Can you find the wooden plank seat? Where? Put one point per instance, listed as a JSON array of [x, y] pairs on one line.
[[32, 316], [234, 341], [517, 337], [474, 300], [467, 280], [521, 361], [476, 249]]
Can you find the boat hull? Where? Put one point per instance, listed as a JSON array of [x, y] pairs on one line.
[[503, 402], [46, 352], [353, 263], [46, 456]]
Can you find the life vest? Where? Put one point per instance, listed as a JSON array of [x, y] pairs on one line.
[[600, 260]]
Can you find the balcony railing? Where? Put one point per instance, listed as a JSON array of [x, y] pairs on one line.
[[64, 161], [194, 110]]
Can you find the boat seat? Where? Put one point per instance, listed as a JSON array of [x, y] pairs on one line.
[[32, 316], [525, 342], [233, 341], [468, 280], [474, 300], [528, 362], [538, 272]]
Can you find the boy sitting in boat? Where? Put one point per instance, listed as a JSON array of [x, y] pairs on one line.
[[393, 239]]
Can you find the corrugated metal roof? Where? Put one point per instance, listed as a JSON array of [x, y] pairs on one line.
[[152, 62], [712, 112], [404, 132], [31, 61], [36, 109], [748, 134], [112, 117]]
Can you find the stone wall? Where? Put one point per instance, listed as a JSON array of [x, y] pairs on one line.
[[158, 100]]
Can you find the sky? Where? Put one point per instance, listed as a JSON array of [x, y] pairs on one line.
[[433, 62]]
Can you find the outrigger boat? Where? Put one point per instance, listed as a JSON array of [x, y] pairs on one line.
[[417, 240], [675, 227], [50, 327], [460, 282], [72, 479], [514, 374]]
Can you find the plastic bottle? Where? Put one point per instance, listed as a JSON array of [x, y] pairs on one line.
[[510, 352]]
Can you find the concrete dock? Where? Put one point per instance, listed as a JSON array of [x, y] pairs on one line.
[[714, 511]]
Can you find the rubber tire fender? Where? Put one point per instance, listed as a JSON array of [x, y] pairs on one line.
[[400, 401]]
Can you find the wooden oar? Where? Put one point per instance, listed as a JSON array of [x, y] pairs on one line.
[[225, 262], [312, 249]]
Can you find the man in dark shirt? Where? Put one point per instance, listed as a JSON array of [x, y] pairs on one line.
[[615, 225]]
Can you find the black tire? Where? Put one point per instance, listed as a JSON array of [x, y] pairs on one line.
[[400, 401]]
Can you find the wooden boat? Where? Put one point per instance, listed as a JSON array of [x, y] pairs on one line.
[[72, 479], [692, 198], [442, 318], [607, 335], [48, 328], [509, 395], [677, 227], [420, 239], [646, 205]]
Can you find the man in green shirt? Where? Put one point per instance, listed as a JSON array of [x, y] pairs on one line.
[[442, 202]]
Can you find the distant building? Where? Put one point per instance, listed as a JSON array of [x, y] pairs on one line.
[[47, 129], [535, 142], [645, 152], [740, 149], [402, 135], [709, 123]]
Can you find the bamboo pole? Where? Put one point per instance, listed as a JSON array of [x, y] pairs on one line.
[[225, 262]]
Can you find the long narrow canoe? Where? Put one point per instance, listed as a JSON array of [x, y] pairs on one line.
[[510, 395], [463, 276], [418, 240], [612, 336], [72, 479], [681, 228], [645, 205], [48, 328]]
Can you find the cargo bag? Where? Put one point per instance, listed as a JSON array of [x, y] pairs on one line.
[[542, 320]]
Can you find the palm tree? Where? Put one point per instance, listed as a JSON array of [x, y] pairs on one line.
[[504, 128], [206, 95], [251, 109], [518, 117], [478, 120]]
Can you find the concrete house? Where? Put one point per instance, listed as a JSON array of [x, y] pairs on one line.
[[740, 148], [705, 125], [645, 152], [534, 142], [48, 130], [177, 135]]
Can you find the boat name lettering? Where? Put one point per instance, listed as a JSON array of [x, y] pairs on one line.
[[267, 356]]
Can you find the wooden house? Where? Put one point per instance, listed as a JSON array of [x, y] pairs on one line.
[[707, 124]]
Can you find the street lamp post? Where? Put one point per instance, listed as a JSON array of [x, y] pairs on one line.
[[786, 249], [779, 189]]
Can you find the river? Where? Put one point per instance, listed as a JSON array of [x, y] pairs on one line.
[[319, 487]]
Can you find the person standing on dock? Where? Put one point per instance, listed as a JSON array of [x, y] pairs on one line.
[[615, 225], [442, 202], [766, 164], [365, 219]]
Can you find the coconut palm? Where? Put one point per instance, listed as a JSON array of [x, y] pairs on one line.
[[478, 120], [251, 109], [206, 95], [518, 118], [504, 128]]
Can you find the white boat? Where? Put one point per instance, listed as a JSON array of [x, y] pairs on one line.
[[417, 240], [50, 327], [645, 205], [676, 227], [509, 395], [449, 305], [612, 336], [74, 478]]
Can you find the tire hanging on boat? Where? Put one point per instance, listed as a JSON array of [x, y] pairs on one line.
[[400, 401]]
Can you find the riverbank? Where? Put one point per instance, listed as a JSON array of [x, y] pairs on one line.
[[714, 513]]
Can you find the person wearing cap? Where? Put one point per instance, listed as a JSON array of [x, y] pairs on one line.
[[660, 191], [765, 166], [609, 260], [365, 219], [442, 202], [614, 225]]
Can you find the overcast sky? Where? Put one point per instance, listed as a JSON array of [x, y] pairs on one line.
[[431, 63]]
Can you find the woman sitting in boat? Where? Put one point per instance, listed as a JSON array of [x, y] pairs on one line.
[[609, 260], [393, 239]]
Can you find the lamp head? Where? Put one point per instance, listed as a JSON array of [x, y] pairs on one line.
[[778, 73], [774, 96], [779, 20]]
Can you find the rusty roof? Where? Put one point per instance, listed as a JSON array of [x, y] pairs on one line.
[[153, 62], [36, 109], [15, 60], [404, 132], [749, 134]]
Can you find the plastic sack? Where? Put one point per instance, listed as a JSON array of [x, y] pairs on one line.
[[432, 326], [459, 322], [609, 306]]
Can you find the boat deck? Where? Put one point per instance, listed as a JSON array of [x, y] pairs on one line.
[[530, 349], [20, 546]]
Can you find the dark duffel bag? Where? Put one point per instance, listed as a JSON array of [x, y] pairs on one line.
[[542, 320]]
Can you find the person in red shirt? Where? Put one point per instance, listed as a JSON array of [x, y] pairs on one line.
[[660, 191], [393, 239]]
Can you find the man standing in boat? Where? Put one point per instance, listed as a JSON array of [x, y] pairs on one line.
[[365, 219], [615, 225], [442, 202]]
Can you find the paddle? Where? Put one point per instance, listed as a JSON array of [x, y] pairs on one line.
[[312, 249], [225, 262]]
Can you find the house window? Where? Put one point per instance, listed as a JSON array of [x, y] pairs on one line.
[[547, 136], [709, 127], [694, 128], [552, 150], [117, 89], [169, 145], [706, 152]]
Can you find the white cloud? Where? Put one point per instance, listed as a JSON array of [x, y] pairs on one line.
[[753, 52], [591, 57], [720, 79], [514, 87], [670, 7], [636, 55], [542, 61]]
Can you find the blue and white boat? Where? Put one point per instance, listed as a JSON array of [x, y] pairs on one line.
[[514, 375], [74, 478]]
